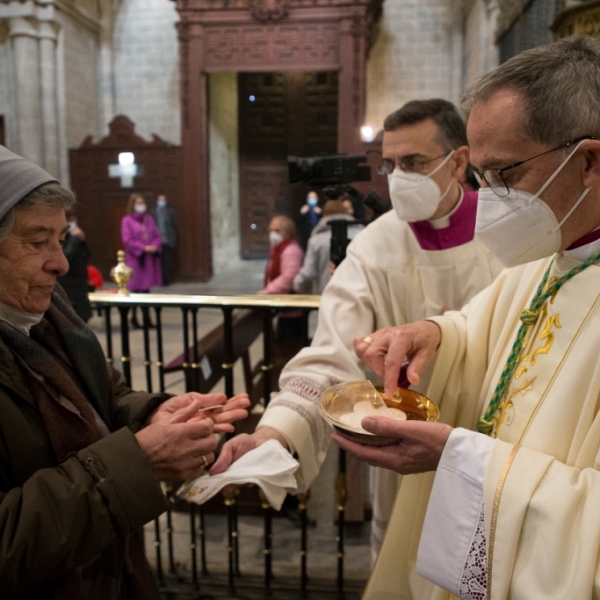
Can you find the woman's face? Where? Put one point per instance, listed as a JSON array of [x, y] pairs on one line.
[[139, 201], [31, 258]]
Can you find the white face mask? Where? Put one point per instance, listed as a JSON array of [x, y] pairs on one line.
[[416, 197], [141, 208], [521, 228], [275, 238]]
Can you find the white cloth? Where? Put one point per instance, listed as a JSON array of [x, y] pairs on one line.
[[269, 466], [541, 486], [386, 279]]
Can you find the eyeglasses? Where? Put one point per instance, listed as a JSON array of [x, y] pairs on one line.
[[408, 166], [495, 177]]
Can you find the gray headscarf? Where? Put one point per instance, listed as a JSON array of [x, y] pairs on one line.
[[18, 177]]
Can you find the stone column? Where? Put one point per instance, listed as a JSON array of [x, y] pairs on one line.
[[48, 76], [24, 35]]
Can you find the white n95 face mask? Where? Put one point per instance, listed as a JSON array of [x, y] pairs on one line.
[[415, 197], [520, 228], [275, 238]]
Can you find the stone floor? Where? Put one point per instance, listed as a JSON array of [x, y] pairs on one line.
[[322, 553]]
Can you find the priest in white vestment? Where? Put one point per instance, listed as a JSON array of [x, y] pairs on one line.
[[413, 262], [507, 505]]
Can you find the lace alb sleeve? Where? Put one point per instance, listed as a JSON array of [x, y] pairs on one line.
[[473, 581]]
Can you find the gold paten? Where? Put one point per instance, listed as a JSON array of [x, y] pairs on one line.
[[340, 399]]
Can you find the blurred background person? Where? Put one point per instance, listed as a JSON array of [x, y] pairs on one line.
[[167, 227], [314, 274], [75, 281], [285, 261], [310, 214], [143, 244]]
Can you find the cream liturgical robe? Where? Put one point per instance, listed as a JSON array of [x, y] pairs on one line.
[[534, 487], [394, 273]]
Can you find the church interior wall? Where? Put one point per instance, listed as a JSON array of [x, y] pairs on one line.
[[224, 169], [80, 68], [415, 56], [7, 105], [146, 67], [481, 51]]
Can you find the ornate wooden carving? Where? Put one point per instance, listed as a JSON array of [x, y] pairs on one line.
[[276, 47], [269, 10], [101, 201], [579, 20], [183, 30], [264, 35]]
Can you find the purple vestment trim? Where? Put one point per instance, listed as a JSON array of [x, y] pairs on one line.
[[588, 238], [460, 231]]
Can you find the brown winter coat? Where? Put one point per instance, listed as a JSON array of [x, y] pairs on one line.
[[55, 518]]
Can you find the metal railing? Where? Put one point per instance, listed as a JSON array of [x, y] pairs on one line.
[[234, 310]]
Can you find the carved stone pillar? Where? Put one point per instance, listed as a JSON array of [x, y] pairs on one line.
[[48, 81], [24, 35]]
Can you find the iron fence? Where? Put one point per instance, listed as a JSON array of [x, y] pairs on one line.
[[244, 320]]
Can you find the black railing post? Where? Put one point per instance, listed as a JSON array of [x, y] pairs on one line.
[[172, 568], [341, 494], [147, 356], [268, 540], [186, 350], [194, 357], [230, 502], [202, 535], [228, 350], [125, 351], [267, 364], [108, 333], [159, 567], [303, 507], [159, 350], [193, 551]]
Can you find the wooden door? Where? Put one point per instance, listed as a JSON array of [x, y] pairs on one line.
[[281, 114]]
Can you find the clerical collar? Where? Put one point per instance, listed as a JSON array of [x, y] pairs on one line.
[[584, 247], [444, 222], [457, 228], [19, 319]]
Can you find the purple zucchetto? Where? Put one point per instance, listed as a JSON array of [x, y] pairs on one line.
[[18, 177]]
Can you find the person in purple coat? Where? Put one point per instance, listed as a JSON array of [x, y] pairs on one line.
[[142, 248]]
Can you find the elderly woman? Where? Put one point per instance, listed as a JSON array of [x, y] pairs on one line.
[[81, 454]]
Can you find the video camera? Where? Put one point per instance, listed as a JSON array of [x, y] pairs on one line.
[[334, 173]]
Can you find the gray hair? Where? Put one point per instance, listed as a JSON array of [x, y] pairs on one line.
[[560, 86], [49, 194]]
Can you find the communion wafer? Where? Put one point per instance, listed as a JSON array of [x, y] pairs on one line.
[[398, 414]]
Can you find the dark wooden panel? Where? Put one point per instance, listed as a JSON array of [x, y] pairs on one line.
[[281, 114], [101, 201]]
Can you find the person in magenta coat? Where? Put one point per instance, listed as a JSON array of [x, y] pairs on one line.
[[142, 248]]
